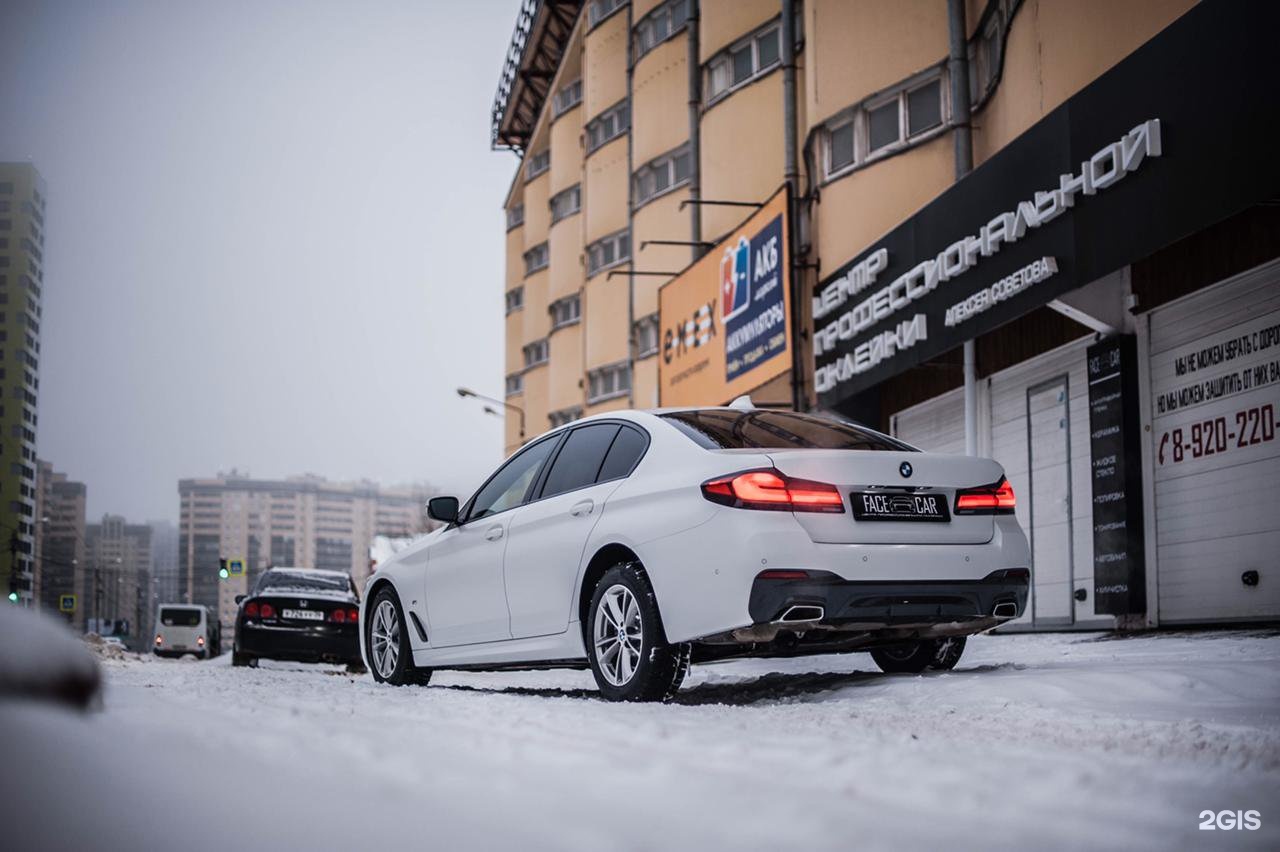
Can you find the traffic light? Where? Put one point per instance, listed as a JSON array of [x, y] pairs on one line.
[[223, 573]]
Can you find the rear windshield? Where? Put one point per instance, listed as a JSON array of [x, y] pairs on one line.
[[171, 617], [305, 580], [726, 429]]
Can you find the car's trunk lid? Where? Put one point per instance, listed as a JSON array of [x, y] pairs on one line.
[[881, 473]]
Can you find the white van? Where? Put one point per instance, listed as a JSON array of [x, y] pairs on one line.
[[183, 629]]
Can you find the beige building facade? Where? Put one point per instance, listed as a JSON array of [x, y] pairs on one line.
[[989, 201], [623, 113], [302, 521]]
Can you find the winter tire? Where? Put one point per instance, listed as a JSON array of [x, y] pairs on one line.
[[387, 640], [238, 659], [626, 645], [948, 654], [907, 657]]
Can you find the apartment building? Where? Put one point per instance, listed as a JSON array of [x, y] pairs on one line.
[[302, 521], [22, 208], [120, 598], [60, 564], [1040, 230]]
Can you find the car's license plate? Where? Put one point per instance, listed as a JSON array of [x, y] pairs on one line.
[[303, 614], [888, 506]]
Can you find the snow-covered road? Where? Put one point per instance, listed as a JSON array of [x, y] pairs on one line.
[[1035, 741]]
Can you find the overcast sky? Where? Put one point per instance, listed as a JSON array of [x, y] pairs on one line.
[[274, 238]]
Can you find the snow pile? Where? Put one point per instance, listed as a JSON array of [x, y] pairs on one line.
[[41, 658], [103, 649]]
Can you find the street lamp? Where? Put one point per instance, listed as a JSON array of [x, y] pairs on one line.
[[467, 392]]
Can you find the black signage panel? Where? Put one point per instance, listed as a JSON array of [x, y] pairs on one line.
[[1177, 136], [1119, 575]]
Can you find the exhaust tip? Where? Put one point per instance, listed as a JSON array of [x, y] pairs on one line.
[[802, 612], [1005, 609]]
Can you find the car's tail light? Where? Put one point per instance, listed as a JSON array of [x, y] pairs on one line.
[[200, 641], [268, 611], [251, 609], [344, 616], [159, 639], [772, 489], [994, 499]]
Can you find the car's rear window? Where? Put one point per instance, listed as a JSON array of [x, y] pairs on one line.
[[727, 429], [304, 581], [172, 617]]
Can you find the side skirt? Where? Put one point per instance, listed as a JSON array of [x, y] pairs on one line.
[[559, 650]]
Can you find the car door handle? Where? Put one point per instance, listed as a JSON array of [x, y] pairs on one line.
[[583, 508], [493, 533]]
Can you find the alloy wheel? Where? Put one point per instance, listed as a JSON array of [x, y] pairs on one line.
[[618, 634], [384, 636]]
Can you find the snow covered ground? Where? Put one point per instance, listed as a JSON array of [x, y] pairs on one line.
[[1035, 741]]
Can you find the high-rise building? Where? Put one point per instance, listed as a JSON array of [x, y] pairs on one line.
[[22, 203], [1040, 231], [119, 575], [302, 521], [164, 561], [60, 565]]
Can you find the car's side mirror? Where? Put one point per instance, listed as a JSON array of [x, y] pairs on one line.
[[443, 509], [240, 599]]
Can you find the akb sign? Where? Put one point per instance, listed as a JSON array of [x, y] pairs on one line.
[[862, 322]]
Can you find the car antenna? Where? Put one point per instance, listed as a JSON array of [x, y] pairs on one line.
[[743, 403]]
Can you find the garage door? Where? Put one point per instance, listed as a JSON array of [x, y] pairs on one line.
[[1040, 435], [935, 425], [1215, 400]]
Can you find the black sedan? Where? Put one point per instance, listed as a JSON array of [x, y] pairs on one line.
[[299, 614]]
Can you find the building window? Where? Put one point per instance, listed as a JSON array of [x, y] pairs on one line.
[[608, 382], [601, 9], [608, 251], [569, 96], [538, 163], [903, 117], [515, 298], [515, 216], [661, 175], [659, 25], [536, 353], [536, 258], [565, 311], [744, 61], [984, 58], [646, 332], [566, 203], [515, 384], [608, 125], [564, 415]]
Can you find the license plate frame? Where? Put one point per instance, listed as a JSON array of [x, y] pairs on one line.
[[927, 507], [302, 614]]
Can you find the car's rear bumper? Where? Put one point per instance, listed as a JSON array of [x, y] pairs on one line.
[[318, 643], [171, 652], [705, 577], [877, 603]]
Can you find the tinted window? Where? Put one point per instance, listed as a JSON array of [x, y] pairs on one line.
[[717, 429], [308, 581], [171, 617], [509, 485], [623, 455], [580, 459]]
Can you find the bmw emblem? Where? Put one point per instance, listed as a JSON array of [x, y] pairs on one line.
[[905, 470]]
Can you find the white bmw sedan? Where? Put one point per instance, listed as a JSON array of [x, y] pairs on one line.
[[635, 543]]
